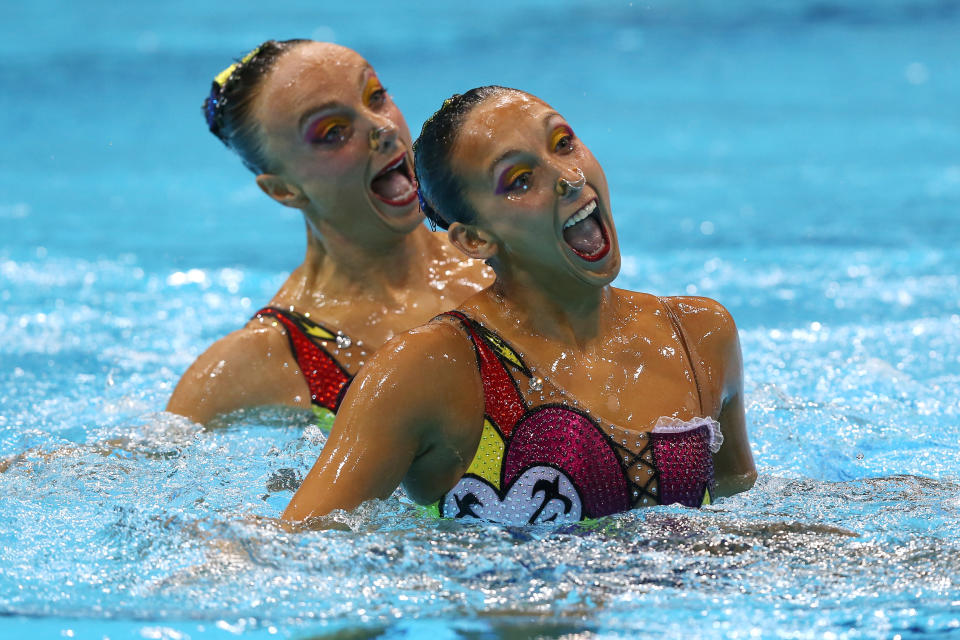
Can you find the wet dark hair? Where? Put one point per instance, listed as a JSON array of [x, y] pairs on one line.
[[441, 193], [227, 108]]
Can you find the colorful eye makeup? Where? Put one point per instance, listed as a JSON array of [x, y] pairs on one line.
[[374, 94], [516, 177], [328, 130], [561, 139]]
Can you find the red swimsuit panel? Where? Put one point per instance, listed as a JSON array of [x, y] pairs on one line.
[[309, 342]]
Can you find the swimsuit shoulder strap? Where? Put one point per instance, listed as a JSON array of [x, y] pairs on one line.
[[480, 335], [502, 400], [298, 322], [325, 376], [691, 354]]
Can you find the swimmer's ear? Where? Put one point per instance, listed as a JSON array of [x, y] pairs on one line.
[[282, 191], [473, 241]]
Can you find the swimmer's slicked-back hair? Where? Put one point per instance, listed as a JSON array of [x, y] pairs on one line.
[[441, 193], [227, 108]]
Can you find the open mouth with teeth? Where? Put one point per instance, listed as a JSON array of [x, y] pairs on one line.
[[395, 183], [585, 233]]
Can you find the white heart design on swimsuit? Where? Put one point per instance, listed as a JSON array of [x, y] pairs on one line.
[[540, 494]]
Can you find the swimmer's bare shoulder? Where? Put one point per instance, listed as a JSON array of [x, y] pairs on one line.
[[711, 334], [413, 414], [714, 342], [252, 366]]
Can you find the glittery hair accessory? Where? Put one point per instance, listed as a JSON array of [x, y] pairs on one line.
[[212, 106], [446, 103]]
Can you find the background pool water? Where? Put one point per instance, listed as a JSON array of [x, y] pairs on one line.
[[798, 161]]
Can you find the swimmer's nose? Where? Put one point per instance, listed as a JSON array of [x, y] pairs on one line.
[[383, 137], [569, 185]]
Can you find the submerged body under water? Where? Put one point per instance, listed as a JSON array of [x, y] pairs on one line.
[[798, 164]]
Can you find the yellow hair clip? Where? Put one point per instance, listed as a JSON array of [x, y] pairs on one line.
[[222, 77]]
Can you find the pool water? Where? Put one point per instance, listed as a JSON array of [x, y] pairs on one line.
[[798, 162]]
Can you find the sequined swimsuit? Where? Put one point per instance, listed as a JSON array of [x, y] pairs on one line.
[[551, 461], [311, 343]]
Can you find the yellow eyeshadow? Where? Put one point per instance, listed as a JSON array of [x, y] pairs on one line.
[[559, 134], [511, 175], [373, 85], [322, 127]]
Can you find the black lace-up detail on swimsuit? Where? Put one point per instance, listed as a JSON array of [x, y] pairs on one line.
[[311, 343], [551, 461]]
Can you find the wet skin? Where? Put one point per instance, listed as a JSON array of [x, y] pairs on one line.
[[513, 172], [371, 268], [415, 413]]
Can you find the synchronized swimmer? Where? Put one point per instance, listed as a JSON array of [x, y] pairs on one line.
[[313, 123], [549, 396]]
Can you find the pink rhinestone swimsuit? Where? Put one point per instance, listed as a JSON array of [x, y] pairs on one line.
[[554, 462]]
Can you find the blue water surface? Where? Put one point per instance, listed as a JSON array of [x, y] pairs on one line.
[[798, 161]]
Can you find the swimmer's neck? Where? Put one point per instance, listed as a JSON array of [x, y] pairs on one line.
[[572, 318], [336, 268]]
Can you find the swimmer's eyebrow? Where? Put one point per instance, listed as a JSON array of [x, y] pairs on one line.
[[503, 156], [309, 113], [506, 154]]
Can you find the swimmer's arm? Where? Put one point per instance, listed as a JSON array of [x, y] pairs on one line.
[[711, 332], [248, 368], [396, 424], [733, 464]]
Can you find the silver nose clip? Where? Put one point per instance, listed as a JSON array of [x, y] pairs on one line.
[[375, 135], [565, 187]]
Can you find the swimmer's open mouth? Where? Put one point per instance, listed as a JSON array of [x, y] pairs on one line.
[[395, 183], [585, 233]]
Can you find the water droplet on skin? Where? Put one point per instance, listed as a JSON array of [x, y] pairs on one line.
[[613, 403]]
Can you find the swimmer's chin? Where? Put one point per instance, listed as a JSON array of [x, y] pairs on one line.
[[596, 274], [400, 220], [400, 214], [601, 267]]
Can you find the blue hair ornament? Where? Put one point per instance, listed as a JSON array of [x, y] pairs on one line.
[[210, 106], [425, 208]]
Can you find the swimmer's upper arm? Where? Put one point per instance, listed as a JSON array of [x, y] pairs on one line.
[[396, 422], [250, 367], [715, 342]]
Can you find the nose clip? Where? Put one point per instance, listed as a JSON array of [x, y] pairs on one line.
[[375, 135], [565, 187]]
